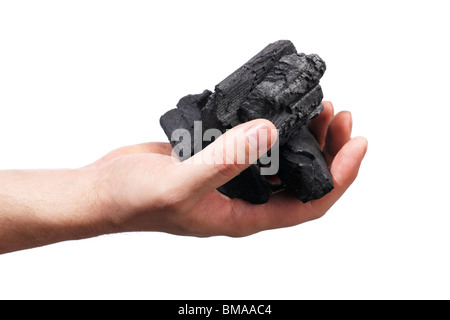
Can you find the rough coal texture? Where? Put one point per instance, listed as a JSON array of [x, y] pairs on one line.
[[224, 104], [289, 95], [248, 185], [188, 110], [282, 86], [304, 170]]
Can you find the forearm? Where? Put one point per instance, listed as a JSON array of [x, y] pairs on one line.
[[39, 207]]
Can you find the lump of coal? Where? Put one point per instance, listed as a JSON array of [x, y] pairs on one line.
[[188, 110], [282, 86], [304, 170], [289, 95]]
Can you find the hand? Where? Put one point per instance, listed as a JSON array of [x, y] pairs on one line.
[[144, 188]]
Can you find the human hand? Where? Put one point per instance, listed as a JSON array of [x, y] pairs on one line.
[[144, 188]]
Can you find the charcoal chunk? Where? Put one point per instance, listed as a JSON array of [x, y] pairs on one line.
[[192, 105], [188, 110], [173, 120], [248, 186], [303, 169], [289, 96], [277, 84], [223, 106]]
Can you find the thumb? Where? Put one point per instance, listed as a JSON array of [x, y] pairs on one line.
[[227, 156]]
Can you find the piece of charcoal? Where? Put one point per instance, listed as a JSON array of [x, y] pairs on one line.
[[188, 110], [192, 105], [282, 86], [221, 110], [247, 186], [289, 96], [303, 169]]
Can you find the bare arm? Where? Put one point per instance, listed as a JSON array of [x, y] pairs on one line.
[[39, 207]]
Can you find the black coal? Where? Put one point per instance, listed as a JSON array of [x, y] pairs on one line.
[[282, 86]]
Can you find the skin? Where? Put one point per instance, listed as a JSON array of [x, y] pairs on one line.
[[144, 188]]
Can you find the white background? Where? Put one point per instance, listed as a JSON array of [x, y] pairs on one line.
[[80, 78]]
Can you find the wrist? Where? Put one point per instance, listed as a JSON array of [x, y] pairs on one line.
[[39, 207], [69, 207], [100, 205]]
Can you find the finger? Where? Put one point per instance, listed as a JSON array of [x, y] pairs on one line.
[[227, 156], [149, 147], [338, 134], [164, 148], [345, 166], [319, 125], [344, 170]]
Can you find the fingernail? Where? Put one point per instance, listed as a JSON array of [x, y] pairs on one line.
[[253, 135]]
